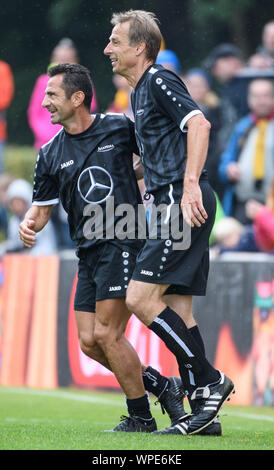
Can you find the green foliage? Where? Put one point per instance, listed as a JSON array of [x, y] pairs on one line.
[[20, 161], [217, 10]]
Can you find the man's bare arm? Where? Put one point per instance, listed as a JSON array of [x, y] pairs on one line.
[[197, 146], [35, 220], [138, 167]]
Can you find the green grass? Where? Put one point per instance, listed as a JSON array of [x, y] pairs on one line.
[[67, 419]]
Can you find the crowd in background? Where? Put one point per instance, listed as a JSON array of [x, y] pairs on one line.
[[237, 97]]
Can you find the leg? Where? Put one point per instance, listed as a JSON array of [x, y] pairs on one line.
[[182, 304], [85, 325], [168, 391], [110, 323], [146, 301]]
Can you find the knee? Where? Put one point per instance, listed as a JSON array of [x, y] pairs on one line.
[[141, 305], [88, 343], [134, 302], [106, 335]]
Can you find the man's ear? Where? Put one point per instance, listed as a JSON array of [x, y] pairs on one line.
[[78, 98], [140, 47]]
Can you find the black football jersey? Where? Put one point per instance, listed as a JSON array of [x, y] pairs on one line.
[[92, 174], [162, 106]]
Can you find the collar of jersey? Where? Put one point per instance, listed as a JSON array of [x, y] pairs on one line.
[[145, 74], [87, 131]]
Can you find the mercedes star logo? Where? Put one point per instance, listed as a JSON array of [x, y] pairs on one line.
[[95, 185]]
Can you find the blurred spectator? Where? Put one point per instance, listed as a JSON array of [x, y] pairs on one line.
[[5, 180], [121, 102], [59, 219], [267, 47], [224, 63], [220, 114], [38, 117], [247, 164], [169, 60], [259, 62], [262, 216], [19, 200], [230, 235], [6, 95]]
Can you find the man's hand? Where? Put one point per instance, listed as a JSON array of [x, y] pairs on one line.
[[233, 171], [192, 205], [26, 232]]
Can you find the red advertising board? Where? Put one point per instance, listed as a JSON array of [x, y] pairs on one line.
[[87, 372]]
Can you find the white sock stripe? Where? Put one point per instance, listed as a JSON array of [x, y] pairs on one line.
[[178, 340]]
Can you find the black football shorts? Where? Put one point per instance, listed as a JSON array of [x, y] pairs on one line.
[[104, 272], [185, 270]]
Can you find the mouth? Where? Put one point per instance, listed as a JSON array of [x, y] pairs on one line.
[[113, 61]]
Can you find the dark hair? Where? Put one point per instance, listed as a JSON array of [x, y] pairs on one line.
[[75, 78]]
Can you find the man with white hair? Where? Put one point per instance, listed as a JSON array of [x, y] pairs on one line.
[[172, 135]]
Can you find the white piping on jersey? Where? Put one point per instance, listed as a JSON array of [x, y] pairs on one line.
[[45, 203], [52, 138], [153, 70], [187, 117], [171, 203], [110, 113], [172, 333]]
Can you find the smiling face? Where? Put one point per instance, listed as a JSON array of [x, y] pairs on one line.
[[56, 102], [122, 55]]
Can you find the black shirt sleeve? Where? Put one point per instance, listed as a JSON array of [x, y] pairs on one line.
[[45, 190], [133, 143], [171, 96]]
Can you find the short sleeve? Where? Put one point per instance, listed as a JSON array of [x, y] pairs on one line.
[[133, 143], [170, 94], [45, 190]]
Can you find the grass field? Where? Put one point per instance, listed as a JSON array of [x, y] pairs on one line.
[[69, 419]]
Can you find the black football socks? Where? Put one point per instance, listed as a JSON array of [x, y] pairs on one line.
[[139, 407], [195, 332], [154, 382], [193, 366]]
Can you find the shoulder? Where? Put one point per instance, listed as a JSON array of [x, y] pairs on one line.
[[116, 120], [4, 67], [158, 74], [54, 140], [49, 148], [244, 123]]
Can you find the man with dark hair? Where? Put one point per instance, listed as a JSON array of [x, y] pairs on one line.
[[172, 136], [75, 78], [88, 165]]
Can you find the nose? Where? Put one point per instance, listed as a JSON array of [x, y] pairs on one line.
[[107, 49], [44, 102]]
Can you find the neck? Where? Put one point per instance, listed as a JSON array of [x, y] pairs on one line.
[[79, 123], [133, 76]]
